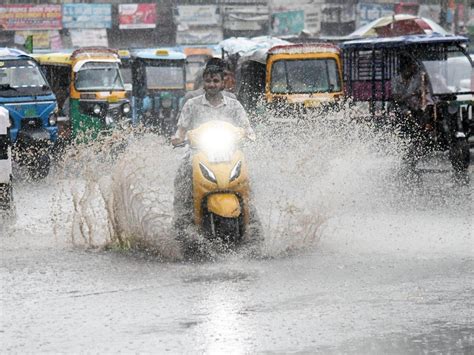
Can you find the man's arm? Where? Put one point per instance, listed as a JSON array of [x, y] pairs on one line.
[[184, 122], [243, 120], [179, 136]]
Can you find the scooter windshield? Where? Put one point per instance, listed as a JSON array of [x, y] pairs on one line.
[[99, 76], [22, 78]]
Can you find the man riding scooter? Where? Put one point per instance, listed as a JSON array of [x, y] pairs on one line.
[[210, 106], [213, 62]]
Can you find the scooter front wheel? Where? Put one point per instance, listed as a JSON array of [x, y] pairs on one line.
[[228, 230]]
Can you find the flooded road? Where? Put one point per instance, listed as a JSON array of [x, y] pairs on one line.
[[389, 270]]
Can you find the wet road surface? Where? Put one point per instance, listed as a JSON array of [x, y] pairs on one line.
[[397, 279]]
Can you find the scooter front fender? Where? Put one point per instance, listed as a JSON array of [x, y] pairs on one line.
[[224, 205]]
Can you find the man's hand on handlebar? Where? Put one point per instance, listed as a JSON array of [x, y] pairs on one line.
[[176, 141]]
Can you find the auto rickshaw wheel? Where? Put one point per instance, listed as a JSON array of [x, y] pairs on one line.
[[6, 197], [459, 155]]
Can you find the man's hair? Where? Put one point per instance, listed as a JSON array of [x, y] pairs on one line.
[[213, 70], [215, 62]]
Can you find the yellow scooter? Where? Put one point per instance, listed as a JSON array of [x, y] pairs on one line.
[[220, 182]]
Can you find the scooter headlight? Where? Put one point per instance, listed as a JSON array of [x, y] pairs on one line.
[[235, 173], [218, 143], [96, 109], [216, 139], [126, 108], [207, 173]]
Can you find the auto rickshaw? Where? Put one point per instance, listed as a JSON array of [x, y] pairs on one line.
[[32, 109], [291, 77], [158, 87], [126, 70], [371, 64], [89, 88]]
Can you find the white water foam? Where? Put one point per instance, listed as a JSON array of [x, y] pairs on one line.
[[301, 177]]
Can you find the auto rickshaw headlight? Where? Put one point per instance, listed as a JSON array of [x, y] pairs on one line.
[[53, 119], [126, 108], [166, 102], [453, 108], [96, 109]]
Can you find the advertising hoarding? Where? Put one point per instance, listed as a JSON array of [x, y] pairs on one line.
[[135, 16], [288, 22], [89, 37], [30, 17], [368, 12], [198, 15], [87, 16]]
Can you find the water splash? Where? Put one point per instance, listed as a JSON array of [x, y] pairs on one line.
[[301, 174]]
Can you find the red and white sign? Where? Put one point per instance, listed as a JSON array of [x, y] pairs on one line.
[[132, 16]]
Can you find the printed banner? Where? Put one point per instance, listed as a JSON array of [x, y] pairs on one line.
[[470, 23], [40, 38], [200, 36], [198, 15], [406, 8], [87, 16], [55, 41], [30, 17], [368, 12], [85, 38], [288, 23], [133, 16], [312, 18], [245, 17], [338, 13]]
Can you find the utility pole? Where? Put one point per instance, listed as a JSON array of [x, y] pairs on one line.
[[443, 21], [270, 15]]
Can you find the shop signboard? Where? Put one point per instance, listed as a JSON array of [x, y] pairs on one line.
[[288, 22], [368, 12], [87, 16], [210, 35], [30, 17], [137, 16], [89, 37], [312, 18], [198, 15], [245, 18]]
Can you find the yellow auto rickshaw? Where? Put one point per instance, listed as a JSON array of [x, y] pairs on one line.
[[297, 77], [89, 89]]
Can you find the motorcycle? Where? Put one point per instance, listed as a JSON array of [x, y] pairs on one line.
[[220, 185]]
